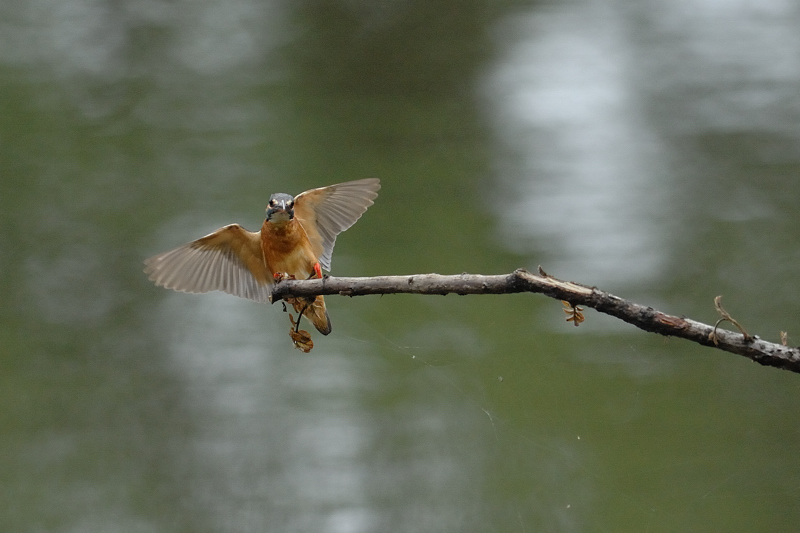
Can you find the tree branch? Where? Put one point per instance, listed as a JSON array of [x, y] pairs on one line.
[[643, 317]]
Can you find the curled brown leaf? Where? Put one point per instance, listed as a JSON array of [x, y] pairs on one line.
[[301, 338], [574, 312]]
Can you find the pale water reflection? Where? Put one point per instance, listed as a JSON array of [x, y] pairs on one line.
[[589, 101], [94, 38], [288, 439], [582, 164], [735, 66], [274, 430]]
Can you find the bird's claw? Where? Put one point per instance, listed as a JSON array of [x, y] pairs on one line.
[[280, 276]]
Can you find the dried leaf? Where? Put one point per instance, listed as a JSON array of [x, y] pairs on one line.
[[574, 312], [301, 338], [784, 338]]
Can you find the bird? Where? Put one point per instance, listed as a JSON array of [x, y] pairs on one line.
[[295, 241]]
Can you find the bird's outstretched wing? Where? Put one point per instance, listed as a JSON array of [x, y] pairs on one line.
[[229, 260], [328, 211]]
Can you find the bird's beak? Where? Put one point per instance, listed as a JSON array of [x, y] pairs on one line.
[[280, 207]]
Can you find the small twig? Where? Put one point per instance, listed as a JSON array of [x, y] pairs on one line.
[[729, 318]]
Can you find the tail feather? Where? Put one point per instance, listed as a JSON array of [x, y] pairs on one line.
[[315, 312]]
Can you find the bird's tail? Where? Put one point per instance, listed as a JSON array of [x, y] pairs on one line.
[[315, 312]]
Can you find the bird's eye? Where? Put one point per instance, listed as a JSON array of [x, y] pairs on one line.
[[272, 203], [290, 204]]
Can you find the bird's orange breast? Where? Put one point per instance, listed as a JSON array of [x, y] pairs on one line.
[[287, 249]]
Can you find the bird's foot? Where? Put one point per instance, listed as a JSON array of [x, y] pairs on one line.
[[280, 276]]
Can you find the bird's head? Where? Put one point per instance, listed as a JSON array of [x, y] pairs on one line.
[[280, 208]]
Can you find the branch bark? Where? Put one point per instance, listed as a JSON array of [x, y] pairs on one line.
[[643, 317]]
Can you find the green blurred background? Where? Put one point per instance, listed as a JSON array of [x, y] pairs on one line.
[[649, 148]]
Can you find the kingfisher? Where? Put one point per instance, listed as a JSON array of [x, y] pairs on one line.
[[295, 241]]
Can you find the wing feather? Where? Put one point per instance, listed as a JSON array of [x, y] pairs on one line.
[[229, 260], [326, 212]]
